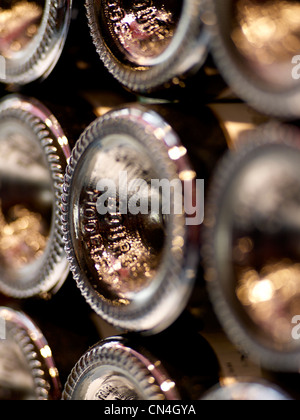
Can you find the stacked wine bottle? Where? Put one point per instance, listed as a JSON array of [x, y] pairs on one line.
[[149, 199]]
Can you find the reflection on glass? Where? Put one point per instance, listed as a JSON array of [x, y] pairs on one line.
[[246, 391], [266, 243], [22, 237], [274, 290], [112, 386], [19, 23], [142, 29], [267, 35], [26, 201], [16, 381], [122, 251]]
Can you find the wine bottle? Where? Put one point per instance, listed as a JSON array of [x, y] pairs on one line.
[[68, 323], [256, 46], [247, 390], [27, 368], [250, 246], [153, 47], [47, 64], [33, 34], [162, 367], [34, 153], [132, 208]]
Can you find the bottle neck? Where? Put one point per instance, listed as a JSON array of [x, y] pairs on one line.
[[180, 359]]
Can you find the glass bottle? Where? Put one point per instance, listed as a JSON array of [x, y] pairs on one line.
[[250, 245], [154, 47], [33, 34], [132, 208], [256, 46], [27, 368], [129, 368], [34, 153], [246, 390]]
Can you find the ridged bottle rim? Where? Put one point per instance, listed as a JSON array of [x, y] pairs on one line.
[[271, 135], [247, 85], [141, 369], [188, 50], [161, 302], [45, 48], [51, 140], [36, 351]]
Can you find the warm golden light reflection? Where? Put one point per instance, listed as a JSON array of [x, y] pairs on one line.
[[176, 152], [161, 133], [101, 110], [187, 175], [127, 264], [271, 297], [261, 291], [53, 372], [228, 380], [33, 336], [123, 251], [167, 385], [63, 141], [48, 123], [141, 30], [235, 129], [19, 23], [46, 352], [151, 368], [267, 34], [5, 314], [178, 242], [22, 239], [26, 201]]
